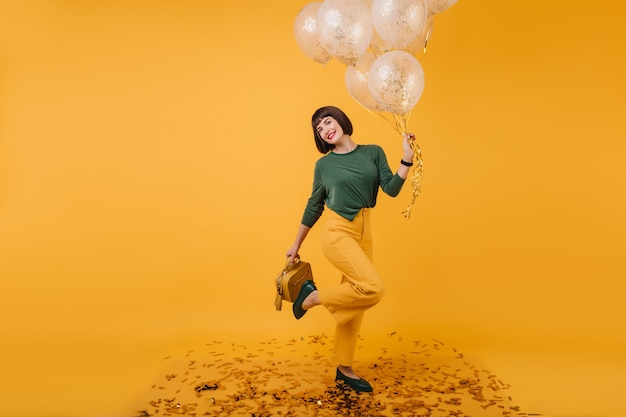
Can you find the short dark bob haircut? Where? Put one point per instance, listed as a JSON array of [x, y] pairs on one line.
[[341, 118]]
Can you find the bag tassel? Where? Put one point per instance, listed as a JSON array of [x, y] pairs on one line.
[[278, 302]]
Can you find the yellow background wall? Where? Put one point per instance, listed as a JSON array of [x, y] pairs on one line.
[[155, 158]]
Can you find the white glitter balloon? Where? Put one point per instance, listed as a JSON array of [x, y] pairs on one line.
[[396, 81], [398, 22], [306, 33], [345, 29], [356, 83]]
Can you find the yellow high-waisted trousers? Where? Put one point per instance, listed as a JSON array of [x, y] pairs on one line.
[[348, 246]]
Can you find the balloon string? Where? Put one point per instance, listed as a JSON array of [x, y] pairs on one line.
[[418, 168], [381, 116]]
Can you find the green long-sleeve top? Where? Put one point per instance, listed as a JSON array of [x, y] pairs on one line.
[[348, 182]]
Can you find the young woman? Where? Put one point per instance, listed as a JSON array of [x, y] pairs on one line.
[[346, 180]]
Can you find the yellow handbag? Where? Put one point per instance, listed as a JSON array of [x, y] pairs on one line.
[[290, 280]]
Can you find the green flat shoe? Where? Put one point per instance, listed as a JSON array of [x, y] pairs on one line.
[[359, 385], [307, 288]]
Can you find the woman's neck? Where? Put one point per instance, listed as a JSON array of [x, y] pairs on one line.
[[345, 146]]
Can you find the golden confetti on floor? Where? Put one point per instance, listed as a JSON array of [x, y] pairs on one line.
[[295, 378]]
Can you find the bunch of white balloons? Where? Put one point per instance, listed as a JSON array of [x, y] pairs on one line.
[[378, 40]]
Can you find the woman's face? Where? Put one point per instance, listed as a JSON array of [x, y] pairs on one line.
[[329, 130]]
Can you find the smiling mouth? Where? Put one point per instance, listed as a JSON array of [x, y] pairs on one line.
[[330, 135]]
